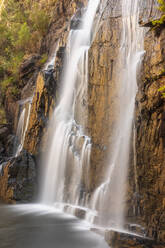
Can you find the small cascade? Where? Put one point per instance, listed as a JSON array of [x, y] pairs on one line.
[[25, 108], [51, 60], [109, 198], [69, 149]]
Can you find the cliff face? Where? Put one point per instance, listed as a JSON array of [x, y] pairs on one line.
[[146, 201], [146, 175], [150, 139], [102, 95]]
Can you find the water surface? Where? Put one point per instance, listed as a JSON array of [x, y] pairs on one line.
[[38, 226]]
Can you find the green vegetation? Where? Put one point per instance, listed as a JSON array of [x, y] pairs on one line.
[[23, 24], [160, 23], [162, 5], [22, 27], [162, 90], [2, 115], [43, 60]]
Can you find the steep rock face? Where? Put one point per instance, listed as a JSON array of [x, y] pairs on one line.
[[150, 139], [145, 197], [42, 100], [102, 92]]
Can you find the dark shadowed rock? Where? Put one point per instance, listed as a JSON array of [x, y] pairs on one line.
[[29, 66], [6, 142], [18, 179]]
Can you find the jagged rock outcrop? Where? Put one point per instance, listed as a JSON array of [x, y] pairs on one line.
[[42, 100], [18, 179]]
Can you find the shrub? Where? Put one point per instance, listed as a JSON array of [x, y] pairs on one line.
[[160, 22], [23, 24], [162, 90], [161, 5], [40, 20], [43, 60], [2, 115], [23, 37]]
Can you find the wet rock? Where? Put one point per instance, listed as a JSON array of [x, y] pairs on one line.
[[48, 75], [28, 67], [76, 19], [117, 239], [9, 143], [4, 131], [18, 179], [75, 24], [29, 86], [6, 142], [41, 110], [80, 213], [10, 106]]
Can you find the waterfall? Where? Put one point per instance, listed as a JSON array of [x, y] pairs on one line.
[[68, 153], [69, 148], [109, 197], [25, 108]]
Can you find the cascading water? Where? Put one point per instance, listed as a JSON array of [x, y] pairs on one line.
[[68, 154], [112, 191], [69, 150], [22, 126]]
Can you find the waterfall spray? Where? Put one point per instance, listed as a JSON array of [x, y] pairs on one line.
[[69, 149]]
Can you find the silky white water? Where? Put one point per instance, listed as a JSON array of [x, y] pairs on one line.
[[69, 149], [68, 154], [112, 191], [39, 226], [22, 125]]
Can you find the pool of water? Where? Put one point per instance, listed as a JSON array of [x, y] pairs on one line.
[[39, 226]]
